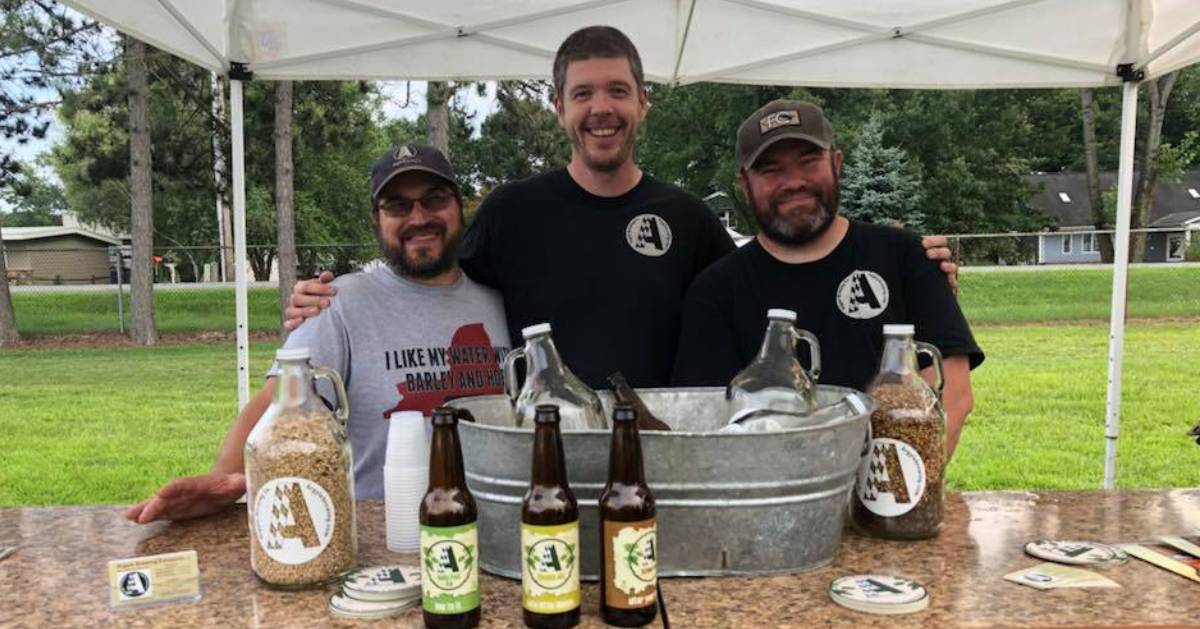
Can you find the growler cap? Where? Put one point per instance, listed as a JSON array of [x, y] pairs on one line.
[[297, 353], [535, 329], [894, 329], [781, 313]]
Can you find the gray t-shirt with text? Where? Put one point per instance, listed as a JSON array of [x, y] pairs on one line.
[[402, 346]]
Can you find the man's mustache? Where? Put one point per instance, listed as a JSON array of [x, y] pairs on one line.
[[423, 230]]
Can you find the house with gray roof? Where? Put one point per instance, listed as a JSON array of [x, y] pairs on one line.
[[1063, 197]]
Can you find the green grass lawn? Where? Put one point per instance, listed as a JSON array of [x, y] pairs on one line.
[[987, 297], [82, 426]]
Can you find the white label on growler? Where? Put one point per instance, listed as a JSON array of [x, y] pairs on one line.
[[891, 479], [293, 519]]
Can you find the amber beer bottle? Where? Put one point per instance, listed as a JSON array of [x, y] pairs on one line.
[[549, 532], [628, 534], [449, 533], [626, 395]]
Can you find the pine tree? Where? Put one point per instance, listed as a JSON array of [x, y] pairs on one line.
[[880, 184]]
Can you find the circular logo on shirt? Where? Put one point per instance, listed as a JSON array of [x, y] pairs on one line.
[[648, 234], [862, 295]]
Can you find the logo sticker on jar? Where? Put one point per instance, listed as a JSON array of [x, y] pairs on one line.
[[294, 519], [891, 479]]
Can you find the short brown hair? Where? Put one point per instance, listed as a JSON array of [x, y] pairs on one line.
[[591, 42]]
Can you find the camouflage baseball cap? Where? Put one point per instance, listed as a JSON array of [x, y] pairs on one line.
[[781, 120]]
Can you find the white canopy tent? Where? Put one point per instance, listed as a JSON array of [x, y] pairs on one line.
[[935, 44]]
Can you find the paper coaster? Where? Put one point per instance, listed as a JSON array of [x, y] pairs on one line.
[[383, 583], [879, 594], [1075, 552], [351, 608]]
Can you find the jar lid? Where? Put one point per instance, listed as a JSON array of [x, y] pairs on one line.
[[536, 329], [893, 329], [296, 353], [879, 594], [781, 313], [1075, 552]]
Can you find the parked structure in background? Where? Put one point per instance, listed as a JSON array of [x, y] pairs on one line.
[[68, 254], [726, 212], [1064, 197]]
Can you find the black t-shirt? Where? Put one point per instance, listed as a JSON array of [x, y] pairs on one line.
[[876, 275], [608, 273]]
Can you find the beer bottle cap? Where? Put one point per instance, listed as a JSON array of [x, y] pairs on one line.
[[879, 594], [536, 329], [546, 413], [781, 313], [1075, 552], [623, 411]]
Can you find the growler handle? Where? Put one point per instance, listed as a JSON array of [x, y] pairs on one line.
[[814, 351], [343, 404], [936, 357], [510, 373]]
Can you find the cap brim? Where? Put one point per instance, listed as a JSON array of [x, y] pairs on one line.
[[791, 135], [408, 169]]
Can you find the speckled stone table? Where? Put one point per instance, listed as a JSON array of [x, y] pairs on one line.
[[57, 577]]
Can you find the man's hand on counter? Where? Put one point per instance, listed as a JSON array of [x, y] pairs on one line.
[[190, 497]]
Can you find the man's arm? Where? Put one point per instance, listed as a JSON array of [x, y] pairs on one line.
[[309, 297], [957, 398], [196, 496]]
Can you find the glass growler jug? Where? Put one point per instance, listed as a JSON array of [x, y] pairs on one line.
[[898, 492], [548, 381], [299, 481], [775, 382]]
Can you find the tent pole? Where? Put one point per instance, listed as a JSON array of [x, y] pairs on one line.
[[239, 239], [1116, 325]]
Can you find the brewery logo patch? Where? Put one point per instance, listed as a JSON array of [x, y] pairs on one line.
[[862, 295], [294, 518], [786, 118], [648, 234]]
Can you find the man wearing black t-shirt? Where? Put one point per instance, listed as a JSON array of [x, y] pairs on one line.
[[844, 278], [599, 249]]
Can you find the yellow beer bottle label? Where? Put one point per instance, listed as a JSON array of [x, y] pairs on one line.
[[631, 562], [550, 567]]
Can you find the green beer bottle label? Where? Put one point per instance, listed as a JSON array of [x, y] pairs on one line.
[[450, 568], [550, 567]]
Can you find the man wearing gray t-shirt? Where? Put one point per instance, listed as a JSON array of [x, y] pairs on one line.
[[407, 335]]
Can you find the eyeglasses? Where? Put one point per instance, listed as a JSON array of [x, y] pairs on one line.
[[400, 207]]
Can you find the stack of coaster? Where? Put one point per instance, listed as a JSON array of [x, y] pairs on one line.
[[377, 592], [1076, 552], [879, 594]]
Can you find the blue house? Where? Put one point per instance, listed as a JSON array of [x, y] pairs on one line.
[[1063, 197]]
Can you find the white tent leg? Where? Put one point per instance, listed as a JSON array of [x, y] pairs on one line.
[[1116, 326], [238, 151]]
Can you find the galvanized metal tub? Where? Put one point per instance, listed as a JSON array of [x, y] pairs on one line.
[[728, 504]]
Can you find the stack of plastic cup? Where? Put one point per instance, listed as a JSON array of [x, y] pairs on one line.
[[405, 479]]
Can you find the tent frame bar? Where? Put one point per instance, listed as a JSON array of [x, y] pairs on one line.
[[170, 8]]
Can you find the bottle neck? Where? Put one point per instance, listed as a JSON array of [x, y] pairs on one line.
[[445, 459], [779, 340], [542, 356], [899, 355], [294, 384], [549, 465], [625, 455]]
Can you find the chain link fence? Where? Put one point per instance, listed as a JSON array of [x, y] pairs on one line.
[[70, 290]]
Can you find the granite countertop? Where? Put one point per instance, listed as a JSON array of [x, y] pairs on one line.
[[57, 578]]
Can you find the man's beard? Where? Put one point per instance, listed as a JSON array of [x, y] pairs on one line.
[[426, 266], [797, 231]]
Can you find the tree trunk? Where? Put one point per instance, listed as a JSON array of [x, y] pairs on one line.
[[224, 211], [8, 322], [1100, 218], [285, 216], [437, 114], [141, 283], [1158, 92]]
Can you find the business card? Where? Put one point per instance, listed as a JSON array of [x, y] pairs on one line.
[[153, 579]]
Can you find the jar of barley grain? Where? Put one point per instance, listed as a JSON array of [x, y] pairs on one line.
[[299, 480]]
